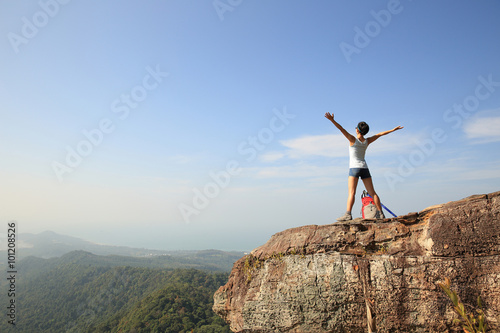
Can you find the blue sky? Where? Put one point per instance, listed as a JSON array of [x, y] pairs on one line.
[[200, 124]]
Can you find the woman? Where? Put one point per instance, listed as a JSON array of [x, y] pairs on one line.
[[357, 164]]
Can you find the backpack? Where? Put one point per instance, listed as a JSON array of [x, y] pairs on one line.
[[368, 208]]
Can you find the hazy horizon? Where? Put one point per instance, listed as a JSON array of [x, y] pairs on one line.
[[125, 240]]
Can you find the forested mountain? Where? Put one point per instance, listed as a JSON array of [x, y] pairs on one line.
[[82, 292], [180, 307]]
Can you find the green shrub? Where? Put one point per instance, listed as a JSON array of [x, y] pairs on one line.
[[470, 322]]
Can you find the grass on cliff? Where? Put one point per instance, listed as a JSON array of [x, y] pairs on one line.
[[471, 323]]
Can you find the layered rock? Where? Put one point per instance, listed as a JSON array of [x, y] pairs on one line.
[[344, 277]]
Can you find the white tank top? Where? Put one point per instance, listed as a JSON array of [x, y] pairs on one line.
[[357, 154]]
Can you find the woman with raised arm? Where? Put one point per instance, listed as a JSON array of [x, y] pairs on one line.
[[357, 164]]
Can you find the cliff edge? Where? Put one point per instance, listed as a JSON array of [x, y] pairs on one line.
[[343, 276]]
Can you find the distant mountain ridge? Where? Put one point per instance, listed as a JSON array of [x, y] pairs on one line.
[[49, 244]]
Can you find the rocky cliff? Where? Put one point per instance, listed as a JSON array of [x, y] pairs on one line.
[[344, 277]]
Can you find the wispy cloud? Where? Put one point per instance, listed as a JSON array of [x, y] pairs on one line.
[[271, 156], [330, 145], [321, 160], [484, 127], [336, 145], [293, 173], [186, 159], [298, 171]]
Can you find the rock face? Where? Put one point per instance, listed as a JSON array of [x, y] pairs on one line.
[[345, 277]]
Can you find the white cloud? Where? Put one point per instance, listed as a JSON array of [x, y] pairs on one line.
[[300, 174], [186, 159], [271, 156], [329, 145], [484, 127], [298, 171], [322, 160], [336, 145]]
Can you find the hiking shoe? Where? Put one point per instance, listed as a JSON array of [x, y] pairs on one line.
[[379, 215], [346, 217]]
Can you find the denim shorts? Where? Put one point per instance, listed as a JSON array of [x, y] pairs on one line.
[[359, 172]]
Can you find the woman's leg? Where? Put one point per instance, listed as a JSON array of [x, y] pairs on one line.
[[371, 191], [352, 183]]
